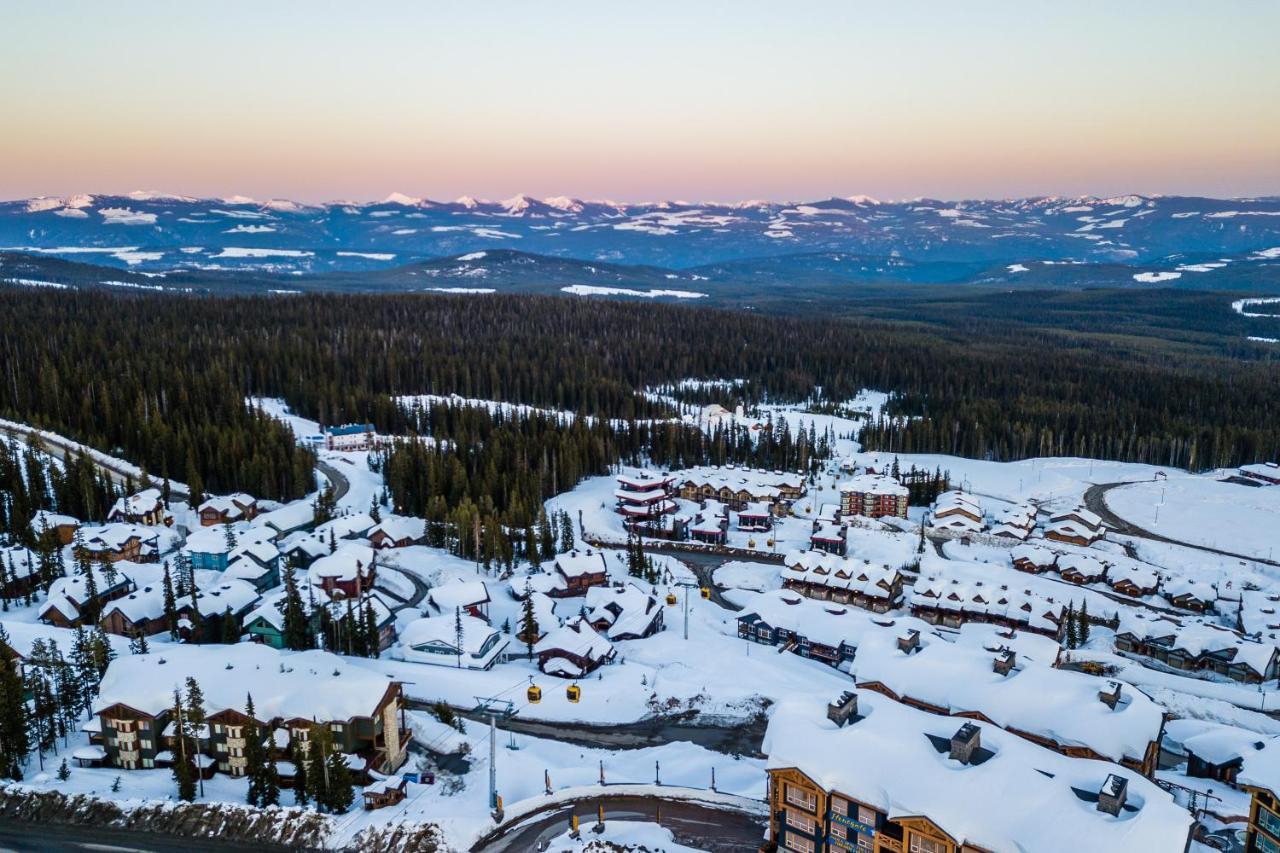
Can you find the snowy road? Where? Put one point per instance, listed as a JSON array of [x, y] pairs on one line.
[[50, 838]]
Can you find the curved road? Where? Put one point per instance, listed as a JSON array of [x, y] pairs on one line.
[[59, 447], [341, 485], [1095, 499], [712, 829]]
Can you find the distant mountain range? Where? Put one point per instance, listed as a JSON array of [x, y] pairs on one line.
[[669, 250]]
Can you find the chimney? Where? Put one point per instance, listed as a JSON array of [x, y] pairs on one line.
[[1115, 790], [1005, 661], [964, 742], [910, 643], [843, 709], [1110, 698]]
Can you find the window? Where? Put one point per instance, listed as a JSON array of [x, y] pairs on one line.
[[337, 727], [839, 806], [866, 843], [867, 816], [1269, 822], [801, 845], [799, 821], [1263, 844], [217, 728], [147, 762], [145, 744], [839, 830], [801, 797], [920, 844]]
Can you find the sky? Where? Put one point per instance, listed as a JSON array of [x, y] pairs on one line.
[[697, 100]]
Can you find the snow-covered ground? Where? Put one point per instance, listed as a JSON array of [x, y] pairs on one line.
[[1203, 511]]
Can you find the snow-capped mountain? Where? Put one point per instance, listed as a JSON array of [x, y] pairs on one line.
[[155, 231]]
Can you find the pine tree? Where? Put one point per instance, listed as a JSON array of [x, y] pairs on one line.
[[228, 539], [339, 784], [138, 645], [1069, 617], [64, 772], [317, 765], [196, 620], [184, 772], [566, 533], [457, 633], [230, 627], [1083, 617], [301, 785], [297, 628], [373, 642], [254, 759], [375, 511], [15, 743], [194, 718], [528, 622], [170, 604]]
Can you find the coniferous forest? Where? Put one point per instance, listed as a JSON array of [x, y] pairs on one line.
[[161, 380]]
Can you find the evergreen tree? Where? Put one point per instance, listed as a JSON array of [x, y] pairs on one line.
[[170, 604], [297, 627], [64, 772], [528, 622], [457, 633], [255, 759], [317, 765], [193, 716], [15, 743], [138, 644], [184, 768], [230, 627], [1083, 631], [228, 539], [566, 533], [301, 785], [546, 540], [373, 642], [340, 796], [1072, 638]]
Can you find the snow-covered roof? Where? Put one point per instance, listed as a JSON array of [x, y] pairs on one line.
[[957, 501], [538, 582], [958, 522], [759, 483], [890, 760], [24, 561], [231, 592], [576, 637], [836, 572], [1087, 567], [138, 503], [291, 516], [577, 563], [1052, 703], [305, 685], [447, 597], [345, 526], [23, 635], [875, 484], [442, 630], [627, 610], [398, 527], [1034, 554], [823, 622], [231, 506], [949, 587], [45, 518], [1179, 587], [1197, 636], [756, 509], [1084, 516], [114, 536], [344, 564]]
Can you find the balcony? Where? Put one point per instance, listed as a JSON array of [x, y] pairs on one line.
[[236, 743], [125, 756]]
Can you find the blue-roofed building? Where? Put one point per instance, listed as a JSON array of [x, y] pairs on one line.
[[350, 437]]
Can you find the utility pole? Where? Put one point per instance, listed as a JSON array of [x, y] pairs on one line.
[[493, 762]]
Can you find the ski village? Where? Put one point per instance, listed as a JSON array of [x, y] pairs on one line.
[[835, 651]]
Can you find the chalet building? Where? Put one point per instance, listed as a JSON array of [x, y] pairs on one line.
[[1016, 522], [830, 537], [229, 509], [1188, 594], [63, 526], [398, 531], [871, 774], [140, 613], [69, 597], [1260, 776], [955, 504], [845, 580], [301, 549], [755, 517], [1132, 581], [117, 542], [578, 571], [1033, 559], [737, 487], [294, 692], [1192, 645], [265, 623], [471, 597], [1081, 569], [145, 507], [821, 631], [873, 496], [1075, 527], [385, 792], [287, 520], [21, 571], [944, 598], [1265, 473], [573, 650], [641, 496], [1072, 713], [623, 612], [1213, 750], [211, 606], [711, 525], [255, 562], [346, 573], [434, 640], [350, 437]]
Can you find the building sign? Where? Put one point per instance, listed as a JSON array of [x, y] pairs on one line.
[[855, 825]]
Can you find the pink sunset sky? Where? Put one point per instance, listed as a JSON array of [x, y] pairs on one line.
[[696, 100]]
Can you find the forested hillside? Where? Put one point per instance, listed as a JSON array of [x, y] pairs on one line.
[[162, 379]]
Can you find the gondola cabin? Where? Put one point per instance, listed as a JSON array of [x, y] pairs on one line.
[[535, 694], [573, 693]]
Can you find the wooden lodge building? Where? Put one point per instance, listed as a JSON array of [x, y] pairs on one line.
[[844, 580], [1196, 645], [874, 775], [737, 487], [949, 599], [293, 692], [228, 510]]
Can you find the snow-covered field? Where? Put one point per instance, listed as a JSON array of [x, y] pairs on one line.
[[1203, 511]]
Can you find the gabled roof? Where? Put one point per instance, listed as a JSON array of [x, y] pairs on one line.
[[576, 637]]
